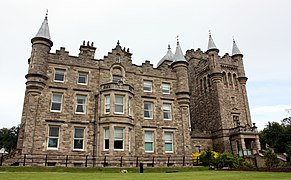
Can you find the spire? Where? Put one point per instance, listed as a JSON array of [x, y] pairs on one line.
[[235, 50], [211, 44], [169, 56], [179, 54], [44, 29]]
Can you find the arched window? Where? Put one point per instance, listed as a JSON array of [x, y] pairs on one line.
[[230, 80]]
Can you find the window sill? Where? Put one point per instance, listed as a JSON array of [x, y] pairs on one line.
[[79, 113], [78, 150], [54, 149], [55, 111]]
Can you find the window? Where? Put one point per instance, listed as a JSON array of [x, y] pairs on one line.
[[81, 104], [56, 102], [79, 139], [118, 138], [129, 139], [166, 88], [149, 141], [82, 78], [129, 106], [116, 78], [117, 59], [106, 138], [147, 86], [167, 111], [168, 142], [148, 110], [119, 104], [53, 137], [107, 104], [59, 75], [236, 121]]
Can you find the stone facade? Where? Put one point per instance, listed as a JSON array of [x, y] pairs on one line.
[[79, 105]]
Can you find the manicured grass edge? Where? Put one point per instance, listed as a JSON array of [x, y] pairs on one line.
[[99, 169]]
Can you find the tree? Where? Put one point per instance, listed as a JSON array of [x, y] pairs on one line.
[[8, 138], [276, 136]]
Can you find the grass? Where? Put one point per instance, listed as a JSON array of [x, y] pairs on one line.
[[47, 173]]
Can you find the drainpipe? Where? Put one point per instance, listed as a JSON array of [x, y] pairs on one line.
[[94, 129]]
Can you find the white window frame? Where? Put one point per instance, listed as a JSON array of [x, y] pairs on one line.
[[130, 106], [152, 141], [147, 84], [107, 103], [169, 141], [58, 102], [61, 72], [119, 104], [167, 108], [84, 104], [79, 138], [129, 139], [85, 75], [118, 139], [106, 130], [149, 110], [166, 88], [53, 137]]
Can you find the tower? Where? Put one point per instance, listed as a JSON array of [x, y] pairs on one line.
[[219, 106], [180, 67], [36, 82]]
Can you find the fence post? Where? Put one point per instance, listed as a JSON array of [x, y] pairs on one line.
[[45, 162], [136, 163], [104, 163], [168, 164], [1, 159], [121, 161], [24, 159], [86, 161], [183, 160], [67, 156], [153, 163]]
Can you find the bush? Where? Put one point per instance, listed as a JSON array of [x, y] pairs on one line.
[[271, 159], [208, 158]]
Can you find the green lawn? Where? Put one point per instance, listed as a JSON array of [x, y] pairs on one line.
[[198, 175]]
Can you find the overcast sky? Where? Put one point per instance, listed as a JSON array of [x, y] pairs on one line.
[[262, 29]]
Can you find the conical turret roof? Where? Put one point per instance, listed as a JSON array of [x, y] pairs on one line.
[[179, 56], [235, 50], [44, 29], [169, 56], [211, 44]]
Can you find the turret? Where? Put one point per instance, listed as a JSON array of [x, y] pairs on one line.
[[168, 57], [41, 45], [238, 56], [212, 52], [180, 66]]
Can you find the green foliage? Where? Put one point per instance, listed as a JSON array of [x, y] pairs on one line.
[[208, 158], [271, 159], [8, 138], [277, 136]]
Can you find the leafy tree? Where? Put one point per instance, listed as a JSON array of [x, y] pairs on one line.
[[271, 159], [8, 138], [276, 136]]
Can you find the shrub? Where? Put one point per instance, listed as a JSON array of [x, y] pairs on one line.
[[271, 159]]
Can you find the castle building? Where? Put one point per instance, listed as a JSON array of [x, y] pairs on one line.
[[79, 105]]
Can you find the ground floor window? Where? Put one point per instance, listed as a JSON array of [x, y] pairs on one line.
[[168, 142], [149, 141], [53, 137], [79, 139], [118, 138]]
